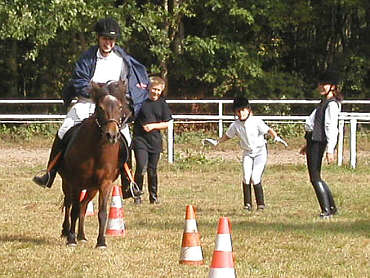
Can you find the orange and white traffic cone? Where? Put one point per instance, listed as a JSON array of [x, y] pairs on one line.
[[116, 224], [90, 205], [222, 262], [191, 251]]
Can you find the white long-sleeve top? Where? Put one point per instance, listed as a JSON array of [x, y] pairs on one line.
[[331, 124], [251, 133]]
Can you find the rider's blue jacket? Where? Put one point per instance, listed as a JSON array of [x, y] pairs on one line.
[[84, 71]]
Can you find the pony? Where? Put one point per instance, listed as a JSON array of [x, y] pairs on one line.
[[95, 153]]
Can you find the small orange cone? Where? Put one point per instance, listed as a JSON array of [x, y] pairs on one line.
[[116, 224], [191, 251], [90, 205], [222, 262]]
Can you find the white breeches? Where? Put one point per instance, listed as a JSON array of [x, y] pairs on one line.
[[80, 111], [253, 166]]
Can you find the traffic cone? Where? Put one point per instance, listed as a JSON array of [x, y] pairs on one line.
[[90, 205], [222, 262], [191, 251], [116, 224]]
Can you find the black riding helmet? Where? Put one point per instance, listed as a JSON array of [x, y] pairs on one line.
[[108, 27], [329, 77], [239, 103]]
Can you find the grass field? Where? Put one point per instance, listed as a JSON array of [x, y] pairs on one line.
[[287, 239]]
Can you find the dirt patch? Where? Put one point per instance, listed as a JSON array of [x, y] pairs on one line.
[[26, 156], [31, 156]]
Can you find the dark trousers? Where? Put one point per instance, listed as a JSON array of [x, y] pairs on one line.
[[314, 153], [147, 162]]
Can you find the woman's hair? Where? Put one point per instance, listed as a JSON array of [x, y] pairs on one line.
[[338, 93]]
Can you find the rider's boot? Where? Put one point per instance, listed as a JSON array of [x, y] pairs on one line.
[[247, 194], [258, 191], [47, 179]]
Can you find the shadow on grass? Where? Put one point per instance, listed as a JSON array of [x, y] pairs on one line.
[[26, 239], [359, 227]]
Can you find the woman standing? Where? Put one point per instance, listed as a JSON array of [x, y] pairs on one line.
[[321, 133]]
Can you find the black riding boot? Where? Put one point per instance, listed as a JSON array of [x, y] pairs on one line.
[[47, 179], [333, 208], [323, 198], [153, 187], [258, 192], [247, 194]]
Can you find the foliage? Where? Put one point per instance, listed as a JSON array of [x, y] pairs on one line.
[[262, 49], [26, 132]]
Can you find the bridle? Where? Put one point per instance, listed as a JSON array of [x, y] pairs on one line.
[[119, 123], [100, 125]]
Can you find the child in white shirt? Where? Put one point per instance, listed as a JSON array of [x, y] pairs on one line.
[[251, 131]]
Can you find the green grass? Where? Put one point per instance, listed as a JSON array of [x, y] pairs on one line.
[[286, 240]]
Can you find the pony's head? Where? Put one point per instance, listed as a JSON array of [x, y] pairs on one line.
[[109, 108], [119, 90]]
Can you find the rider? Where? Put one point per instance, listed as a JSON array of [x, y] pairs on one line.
[[102, 63]]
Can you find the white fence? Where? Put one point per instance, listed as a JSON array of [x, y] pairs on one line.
[[352, 118]]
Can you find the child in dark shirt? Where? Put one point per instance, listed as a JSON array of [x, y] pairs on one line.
[[153, 117]]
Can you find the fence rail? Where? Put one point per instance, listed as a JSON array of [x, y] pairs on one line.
[[352, 118]]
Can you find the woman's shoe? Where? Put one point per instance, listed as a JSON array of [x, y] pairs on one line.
[[325, 215]]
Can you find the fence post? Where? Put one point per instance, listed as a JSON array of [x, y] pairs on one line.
[[353, 143], [220, 126], [170, 142], [340, 142]]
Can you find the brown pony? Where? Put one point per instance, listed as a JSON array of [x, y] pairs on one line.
[[93, 159]]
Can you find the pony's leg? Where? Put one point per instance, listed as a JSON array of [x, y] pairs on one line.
[[66, 224], [104, 194], [81, 223], [75, 212]]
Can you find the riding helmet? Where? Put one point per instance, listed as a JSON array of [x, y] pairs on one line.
[[239, 103], [107, 27], [329, 77]]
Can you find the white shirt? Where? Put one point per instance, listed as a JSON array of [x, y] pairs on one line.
[[331, 124], [251, 133], [107, 68]]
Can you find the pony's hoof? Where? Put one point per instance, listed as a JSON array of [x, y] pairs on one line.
[[81, 238], [101, 247], [71, 244]]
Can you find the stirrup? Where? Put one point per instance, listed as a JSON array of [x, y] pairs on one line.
[[135, 188]]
